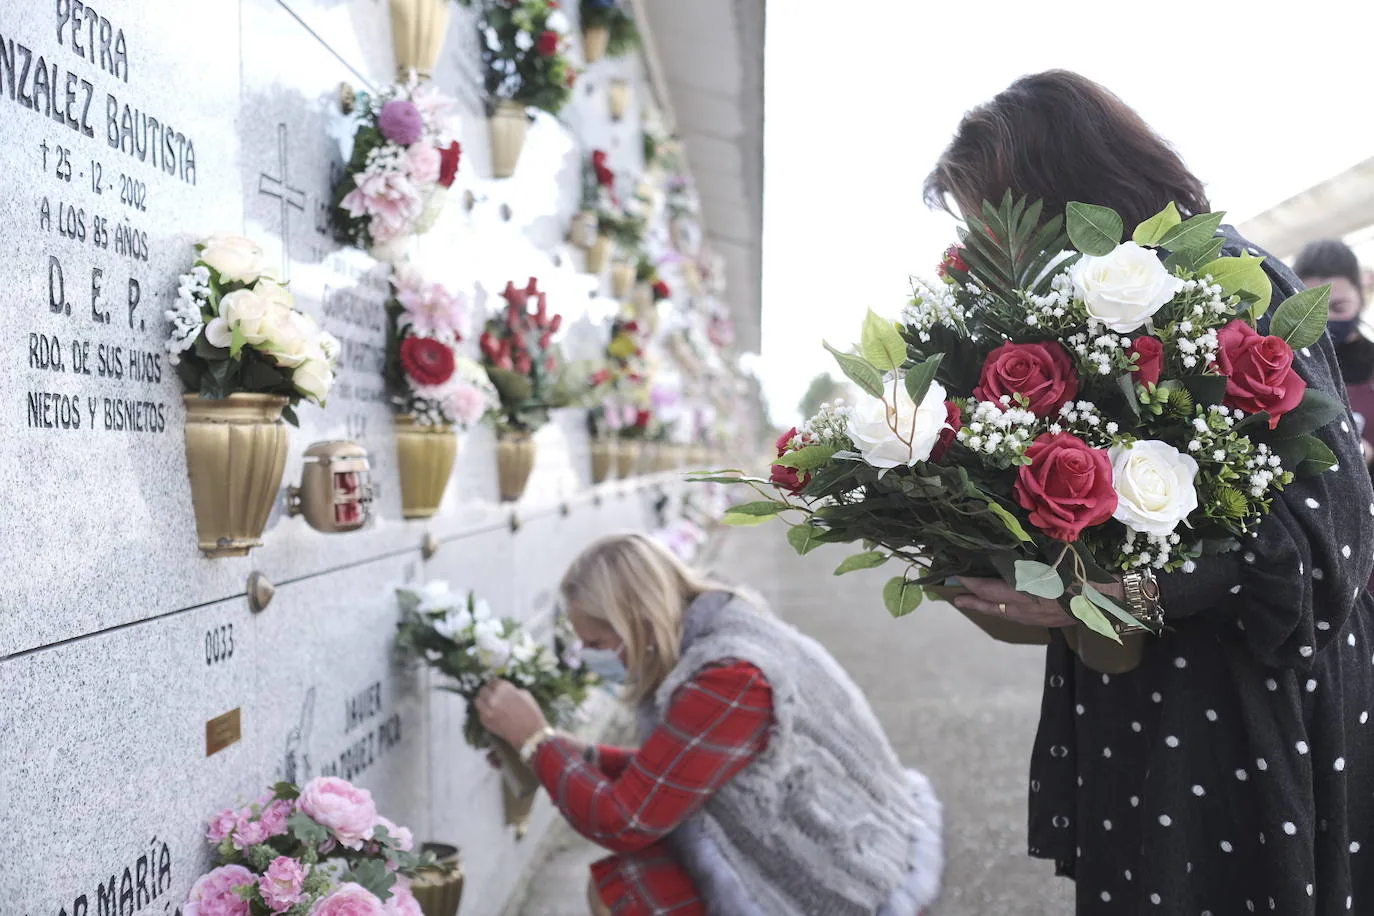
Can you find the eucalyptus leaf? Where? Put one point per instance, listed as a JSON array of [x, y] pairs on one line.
[[1108, 605], [1093, 618], [901, 596], [1243, 276], [1012, 523], [859, 371], [763, 508], [1038, 579], [1127, 385], [1192, 233], [1152, 230], [866, 560], [881, 343], [804, 538], [1301, 319], [919, 377], [1093, 230], [743, 521]]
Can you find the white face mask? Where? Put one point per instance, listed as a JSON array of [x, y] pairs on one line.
[[605, 664]]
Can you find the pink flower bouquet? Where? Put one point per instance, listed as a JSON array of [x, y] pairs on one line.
[[404, 159], [272, 857]]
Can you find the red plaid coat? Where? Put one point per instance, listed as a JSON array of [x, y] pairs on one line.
[[629, 801]]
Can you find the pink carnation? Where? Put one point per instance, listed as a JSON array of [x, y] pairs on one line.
[[349, 900], [275, 815], [282, 883], [401, 837], [250, 833], [389, 200], [466, 404], [222, 825], [216, 893], [402, 902], [432, 309], [344, 809], [424, 163]]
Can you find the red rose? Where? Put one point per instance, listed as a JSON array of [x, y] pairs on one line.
[[448, 163], [548, 43], [642, 419], [789, 479], [1067, 486], [601, 377], [952, 260], [661, 290], [426, 361], [599, 157], [604, 176], [1259, 372], [785, 440], [948, 434], [1042, 372], [1150, 363]]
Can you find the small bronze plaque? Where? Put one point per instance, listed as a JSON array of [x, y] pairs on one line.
[[221, 731]]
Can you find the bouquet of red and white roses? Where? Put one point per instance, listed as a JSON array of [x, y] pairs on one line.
[[1060, 409], [430, 380], [321, 850]]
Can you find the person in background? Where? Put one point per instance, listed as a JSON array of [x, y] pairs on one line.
[[1332, 261], [763, 786]]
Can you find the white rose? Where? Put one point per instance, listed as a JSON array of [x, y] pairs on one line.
[[481, 610], [434, 596], [275, 293], [557, 21], [291, 339], [872, 422], [1125, 288], [235, 258], [453, 624], [523, 40], [329, 345], [217, 332], [525, 648], [313, 378], [1154, 486], [249, 314], [493, 650]]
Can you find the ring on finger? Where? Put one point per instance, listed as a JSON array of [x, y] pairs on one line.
[[1002, 608]]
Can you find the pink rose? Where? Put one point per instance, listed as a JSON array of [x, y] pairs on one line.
[[250, 833], [402, 902], [275, 815], [348, 900], [401, 837], [216, 893], [341, 807], [389, 200], [222, 825], [424, 162], [466, 404], [282, 883]]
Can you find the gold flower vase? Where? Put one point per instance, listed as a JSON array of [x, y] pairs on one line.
[[582, 229], [597, 254], [426, 455], [235, 456], [514, 462], [603, 460], [622, 279], [648, 457], [507, 126], [595, 40], [418, 28], [626, 458], [440, 891], [618, 96]]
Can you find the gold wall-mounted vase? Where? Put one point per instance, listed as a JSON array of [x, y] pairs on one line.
[[426, 455]]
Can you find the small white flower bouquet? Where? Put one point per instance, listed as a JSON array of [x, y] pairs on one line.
[[235, 329]]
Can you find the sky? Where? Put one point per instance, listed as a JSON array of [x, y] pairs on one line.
[[1260, 108]]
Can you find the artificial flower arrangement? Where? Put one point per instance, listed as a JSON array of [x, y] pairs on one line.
[[433, 386], [599, 203], [613, 392], [684, 215], [246, 357], [524, 53], [404, 160], [235, 329], [457, 634], [317, 850], [647, 274], [523, 363], [607, 29], [1060, 409]]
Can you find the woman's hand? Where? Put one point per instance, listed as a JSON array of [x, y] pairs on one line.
[[509, 713], [998, 599]]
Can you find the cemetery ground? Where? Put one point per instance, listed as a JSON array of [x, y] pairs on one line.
[[956, 705]]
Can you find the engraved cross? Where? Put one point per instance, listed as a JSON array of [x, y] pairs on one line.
[[281, 189]]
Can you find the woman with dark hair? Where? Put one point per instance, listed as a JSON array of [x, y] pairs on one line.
[[1233, 770]]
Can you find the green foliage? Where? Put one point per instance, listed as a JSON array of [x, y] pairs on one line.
[[1108, 605], [374, 876], [1242, 276], [1301, 319], [901, 596], [624, 36], [1012, 248], [881, 344], [1153, 229], [306, 829], [1316, 410], [869, 559], [1093, 230], [750, 514], [1192, 233], [524, 76], [1189, 260], [1038, 579], [919, 377], [804, 538], [859, 371], [807, 458], [1092, 617]]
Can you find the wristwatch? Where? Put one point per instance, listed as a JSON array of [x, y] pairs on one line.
[[532, 745], [1142, 603]]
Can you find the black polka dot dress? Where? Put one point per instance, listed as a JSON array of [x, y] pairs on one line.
[[1233, 771]]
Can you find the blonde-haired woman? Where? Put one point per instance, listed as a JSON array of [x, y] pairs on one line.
[[763, 786]]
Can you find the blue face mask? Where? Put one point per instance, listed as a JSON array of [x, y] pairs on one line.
[[605, 664], [1342, 330]]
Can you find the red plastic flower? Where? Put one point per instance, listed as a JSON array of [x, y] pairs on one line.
[[548, 43], [1040, 372], [1150, 360], [642, 419], [426, 361], [784, 442], [789, 479], [448, 163], [1067, 486], [1259, 372], [949, 433], [662, 290], [953, 260]]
